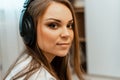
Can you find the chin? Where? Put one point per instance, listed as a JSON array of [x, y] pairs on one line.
[[62, 54]]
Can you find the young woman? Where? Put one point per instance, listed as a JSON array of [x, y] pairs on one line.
[[49, 31]]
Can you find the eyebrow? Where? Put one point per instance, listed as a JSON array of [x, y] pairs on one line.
[[58, 20]]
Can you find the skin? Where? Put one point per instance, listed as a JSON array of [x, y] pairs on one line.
[[54, 31]]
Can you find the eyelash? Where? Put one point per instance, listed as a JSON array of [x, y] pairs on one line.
[[56, 25], [53, 25], [70, 25]]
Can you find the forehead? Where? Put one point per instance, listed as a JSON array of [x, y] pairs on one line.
[[58, 10]]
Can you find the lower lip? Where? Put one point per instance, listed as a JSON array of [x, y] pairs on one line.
[[63, 45]]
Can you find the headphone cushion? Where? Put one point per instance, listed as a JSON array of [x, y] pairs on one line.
[[27, 30]]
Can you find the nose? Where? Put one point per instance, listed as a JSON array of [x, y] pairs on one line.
[[65, 32]]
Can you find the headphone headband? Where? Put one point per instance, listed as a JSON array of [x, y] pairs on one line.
[[26, 3]]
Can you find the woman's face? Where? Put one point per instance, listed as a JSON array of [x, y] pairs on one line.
[[54, 31]]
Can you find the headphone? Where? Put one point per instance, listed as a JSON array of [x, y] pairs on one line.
[[26, 25]]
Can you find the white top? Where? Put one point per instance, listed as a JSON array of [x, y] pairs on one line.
[[41, 74]]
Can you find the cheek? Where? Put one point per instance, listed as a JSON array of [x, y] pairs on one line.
[[45, 38], [72, 35]]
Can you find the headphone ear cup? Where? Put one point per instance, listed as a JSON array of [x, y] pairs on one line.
[[26, 27]]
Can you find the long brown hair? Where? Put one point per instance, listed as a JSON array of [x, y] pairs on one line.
[[59, 67]]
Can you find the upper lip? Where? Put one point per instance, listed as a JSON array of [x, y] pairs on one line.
[[63, 43]]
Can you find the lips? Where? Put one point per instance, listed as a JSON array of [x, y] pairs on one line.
[[63, 43]]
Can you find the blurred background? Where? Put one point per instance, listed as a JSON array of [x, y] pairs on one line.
[[10, 42], [99, 36]]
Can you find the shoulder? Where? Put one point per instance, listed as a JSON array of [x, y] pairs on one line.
[[41, 74], [19, 66]]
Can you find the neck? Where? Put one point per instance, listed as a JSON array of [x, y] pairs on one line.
[[49, 56]]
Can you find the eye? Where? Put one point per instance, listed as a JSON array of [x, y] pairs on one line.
[[53, 25], [70, 26]]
